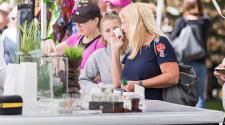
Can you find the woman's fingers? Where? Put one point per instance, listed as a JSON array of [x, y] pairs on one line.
[[219, 76], [222, 77], [49, 47], [221, 66]]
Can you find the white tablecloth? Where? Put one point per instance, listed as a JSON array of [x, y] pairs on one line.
[[157, 112]]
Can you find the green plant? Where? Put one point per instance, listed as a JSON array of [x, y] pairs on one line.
[[30, 38], [74, 53], [43, 76], [59, 90]]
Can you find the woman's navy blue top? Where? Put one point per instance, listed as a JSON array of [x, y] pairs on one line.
[[146, 64]]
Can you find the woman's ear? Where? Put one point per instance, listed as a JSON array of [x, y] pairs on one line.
[[97, 20]]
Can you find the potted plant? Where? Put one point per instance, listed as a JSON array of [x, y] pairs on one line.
[[30, 45], [74, 55], [30, 39]]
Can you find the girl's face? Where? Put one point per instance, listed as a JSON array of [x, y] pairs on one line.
[[87, 27], [107, 28], [124, 26]]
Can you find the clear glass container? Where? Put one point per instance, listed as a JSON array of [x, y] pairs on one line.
[[106, 100], [52, 76]]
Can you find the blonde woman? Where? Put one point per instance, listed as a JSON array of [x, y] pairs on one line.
[[151, 61]]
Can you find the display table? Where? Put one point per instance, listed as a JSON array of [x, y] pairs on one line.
[[157, 112]]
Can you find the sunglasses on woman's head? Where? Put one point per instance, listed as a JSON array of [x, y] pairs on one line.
[[111, 13]]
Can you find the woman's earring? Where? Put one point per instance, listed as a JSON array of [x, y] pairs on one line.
[[97, 20]]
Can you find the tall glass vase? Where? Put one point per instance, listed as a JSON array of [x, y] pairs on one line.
[[52, 76]]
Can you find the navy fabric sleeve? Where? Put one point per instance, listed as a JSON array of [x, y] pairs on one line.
[[179, 25], [164, 50]]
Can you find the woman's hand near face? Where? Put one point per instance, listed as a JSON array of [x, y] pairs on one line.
[[116, 69], [218, 75], [116, 43]]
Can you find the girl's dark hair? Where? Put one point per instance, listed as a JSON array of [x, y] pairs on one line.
[[192, 4]]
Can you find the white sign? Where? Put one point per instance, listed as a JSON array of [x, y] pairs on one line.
[[139, 90]]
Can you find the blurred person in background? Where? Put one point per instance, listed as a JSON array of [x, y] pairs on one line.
[[1, 48], [9, 37], [4, 10], [220, 74], [193, 14], [112, 5]]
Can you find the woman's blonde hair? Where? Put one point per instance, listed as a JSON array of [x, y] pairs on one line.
[[141, 20]]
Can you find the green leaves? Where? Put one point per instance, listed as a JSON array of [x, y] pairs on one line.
[[45, 1], [30, 38], [53, 8], [50, 3], [74, 53]]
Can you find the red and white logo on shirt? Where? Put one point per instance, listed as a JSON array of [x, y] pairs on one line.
[[160, 48]]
